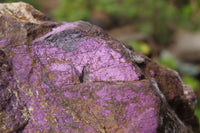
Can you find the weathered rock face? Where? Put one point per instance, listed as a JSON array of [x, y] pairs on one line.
[[73, 77]]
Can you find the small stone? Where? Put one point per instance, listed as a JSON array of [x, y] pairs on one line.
[[138, 59]]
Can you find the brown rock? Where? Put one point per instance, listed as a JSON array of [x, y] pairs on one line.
[[73, 77]]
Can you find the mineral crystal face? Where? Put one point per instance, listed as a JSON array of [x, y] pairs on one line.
[[73, 77]]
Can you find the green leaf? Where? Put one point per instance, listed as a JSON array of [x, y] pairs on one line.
[[191, 82]]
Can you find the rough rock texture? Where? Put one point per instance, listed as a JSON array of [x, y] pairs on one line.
[[73, 77]]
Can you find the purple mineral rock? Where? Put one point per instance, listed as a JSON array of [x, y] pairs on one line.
[[73, 77]]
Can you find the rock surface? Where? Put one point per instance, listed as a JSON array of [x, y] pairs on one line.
[[73, 77]]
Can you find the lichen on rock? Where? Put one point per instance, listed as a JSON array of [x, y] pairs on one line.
[[73, 77]]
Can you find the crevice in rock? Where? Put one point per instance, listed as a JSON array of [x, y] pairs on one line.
[[81, 78], [20, 129], [104, 128], [46, 81], [84, 77], [142, 77]]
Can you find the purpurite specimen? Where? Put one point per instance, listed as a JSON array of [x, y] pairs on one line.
[[73, 77]]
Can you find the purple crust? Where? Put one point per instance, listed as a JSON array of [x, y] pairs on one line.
[[90, 105]]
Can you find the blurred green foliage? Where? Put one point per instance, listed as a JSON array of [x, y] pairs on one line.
[[156, 17], [191, 82], [140, 46], [168, 60], [71, 10]]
